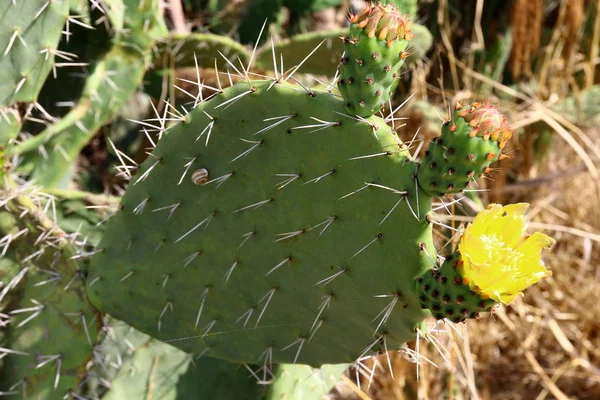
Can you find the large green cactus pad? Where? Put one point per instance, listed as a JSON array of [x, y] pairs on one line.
[[285, 247], [29, 34]]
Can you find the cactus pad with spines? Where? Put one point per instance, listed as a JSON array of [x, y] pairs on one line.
[[113, 81], [374, 51], [305, 216], [29, 36], [10, 125], [157, 370], [52, 326], [468, 144], [304, 382]]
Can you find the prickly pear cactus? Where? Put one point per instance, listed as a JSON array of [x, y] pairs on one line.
[[160, 371], [271, 226], [29, 35], [374, 51], [269, 207], [304, 382], [50, 325], [50, 156]]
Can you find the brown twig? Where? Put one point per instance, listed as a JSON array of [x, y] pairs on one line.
[[177, 17]]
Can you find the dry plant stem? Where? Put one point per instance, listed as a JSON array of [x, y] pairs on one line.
[[477, 40], [551, 386], [355, 388], [527, 22], [442, 19], [549, 51], [591, 66], [91, 198], [175, 11], [574, 23], [493, 83]]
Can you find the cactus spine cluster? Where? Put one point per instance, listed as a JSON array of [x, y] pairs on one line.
[[52, 327], [29, 35]]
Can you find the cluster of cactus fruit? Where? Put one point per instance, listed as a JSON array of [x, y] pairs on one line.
[[274, 230]]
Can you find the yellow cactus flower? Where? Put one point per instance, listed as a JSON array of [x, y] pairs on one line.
[[497, 259]]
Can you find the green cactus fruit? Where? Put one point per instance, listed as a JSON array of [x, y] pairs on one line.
[[374, 51], [202, 49], [444, 292], [304, 382], [270, 221], [29, 36], [51, 326], [469, 143]]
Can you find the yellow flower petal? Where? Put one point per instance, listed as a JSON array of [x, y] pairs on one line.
[[495, 260]]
